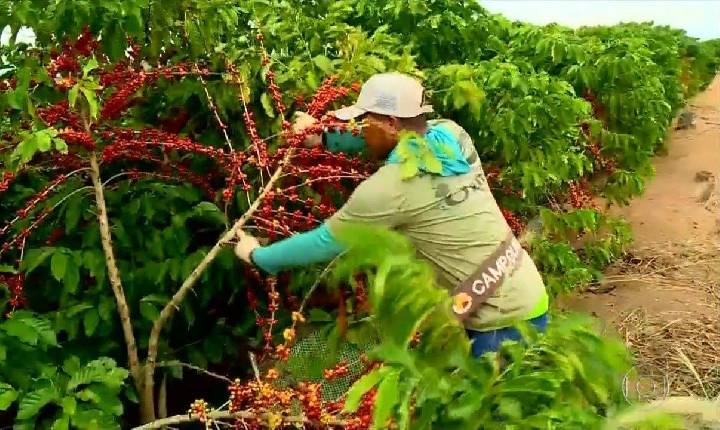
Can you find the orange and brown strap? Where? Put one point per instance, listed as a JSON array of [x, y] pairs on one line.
[[479, 287]]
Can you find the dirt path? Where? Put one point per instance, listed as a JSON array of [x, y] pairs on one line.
[[664, 298]]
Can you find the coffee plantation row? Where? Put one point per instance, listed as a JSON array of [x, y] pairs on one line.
[[137, 136]]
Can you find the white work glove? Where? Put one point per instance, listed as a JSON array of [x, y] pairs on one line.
[[303, 121], [246, 244]]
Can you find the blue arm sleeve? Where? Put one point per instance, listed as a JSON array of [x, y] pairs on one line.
[[314, 246], [343, 142]]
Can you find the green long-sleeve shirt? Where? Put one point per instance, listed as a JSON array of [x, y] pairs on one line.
[[454, 223]]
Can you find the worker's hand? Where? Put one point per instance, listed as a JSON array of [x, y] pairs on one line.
[[246, 244], [303, 121]]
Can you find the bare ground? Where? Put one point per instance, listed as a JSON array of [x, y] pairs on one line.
[[664, 297]]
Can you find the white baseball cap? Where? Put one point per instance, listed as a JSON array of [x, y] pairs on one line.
[[392, 94]]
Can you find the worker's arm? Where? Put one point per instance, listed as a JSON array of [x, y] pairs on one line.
[[371, 202], [343, 142], [332, 141], [379, 200], [314, 246]]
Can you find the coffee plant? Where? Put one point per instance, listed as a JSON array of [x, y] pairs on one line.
[[38, 374], [137, 137]]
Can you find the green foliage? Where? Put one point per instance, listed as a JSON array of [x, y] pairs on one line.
[[568, 378], [522, 92], [575, 244], [505, 110], [45, 387], [87, 86], [42, 140]]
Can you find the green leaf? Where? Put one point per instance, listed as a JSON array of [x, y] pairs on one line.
[[131, 392], [210, 212], [197, 358], [149, 311], [94, 419], [92, 101], [17, 98], [510, 408], [5, 268], [17, 328], [58, 265], [213, 348], [26, 149], [91, 319], [44, 141], [69, 405], [387, 396], [33, 402], [104, 370], [319, 315], [158, 299], [71, 280], [362, 386], [91, 65], [267, 105], [114, 41], [8, 395], [323, 63], [106, 308], [72, 95], [43, 329], [458, 98], [134, 22], [311, 79], [60, 145], [62, 423], [87, 395], [31, 109], [94, 261], [71, 365], [73, 210], [108, 399]]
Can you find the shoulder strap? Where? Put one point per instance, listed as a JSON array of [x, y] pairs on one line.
[[489, 276]]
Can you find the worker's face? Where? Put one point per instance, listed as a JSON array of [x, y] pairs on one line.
[[381, 134]]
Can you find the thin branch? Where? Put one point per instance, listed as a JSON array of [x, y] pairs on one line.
[[247, 112], [176, 301], [314, 286], [162, 398], [324, 178], [114, 273], [61, 201], [112, 178], [8, 224], [195, 368], [213, 108], [221, 415], [22, 249], [253, 363]]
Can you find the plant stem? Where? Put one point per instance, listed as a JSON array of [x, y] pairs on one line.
[[114, 273], [162, 398], [177, 298], [195, 368], [219, 415]]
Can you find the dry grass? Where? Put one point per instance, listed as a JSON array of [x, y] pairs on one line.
[[680, 357], [677, 353]]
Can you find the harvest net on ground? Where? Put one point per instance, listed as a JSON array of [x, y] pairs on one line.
[[313, 354]]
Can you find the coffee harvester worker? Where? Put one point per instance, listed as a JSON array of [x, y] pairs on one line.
[[451, 218]]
